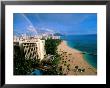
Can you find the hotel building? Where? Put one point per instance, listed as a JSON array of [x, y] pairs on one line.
[[31, 47]]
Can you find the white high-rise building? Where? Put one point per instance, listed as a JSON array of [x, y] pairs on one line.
[[41, 48], [32, 48]]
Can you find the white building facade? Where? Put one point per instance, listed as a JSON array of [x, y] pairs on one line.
[[32, 48]]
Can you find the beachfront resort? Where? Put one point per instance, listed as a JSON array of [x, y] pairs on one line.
[[55, 43], [48, 55]]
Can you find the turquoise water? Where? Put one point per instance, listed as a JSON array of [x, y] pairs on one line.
[[91, 59], [84, 43]]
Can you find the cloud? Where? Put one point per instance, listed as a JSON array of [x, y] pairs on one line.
[[49, 30], [30, 28]]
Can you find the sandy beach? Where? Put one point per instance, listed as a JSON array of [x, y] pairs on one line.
[[73, 62]]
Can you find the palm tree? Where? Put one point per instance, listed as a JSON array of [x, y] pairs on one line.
[[65, 64], [60, 68], [76, 67]]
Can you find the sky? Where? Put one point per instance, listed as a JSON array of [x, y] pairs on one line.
[[65, 23]]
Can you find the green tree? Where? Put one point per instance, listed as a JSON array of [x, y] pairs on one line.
[[51, 46], [22, 65]]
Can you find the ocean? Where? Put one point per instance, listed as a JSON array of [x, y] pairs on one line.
[[86, 44]]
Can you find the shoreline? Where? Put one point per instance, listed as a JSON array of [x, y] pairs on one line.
[[72, 58], [84, 53], [76, 50]]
